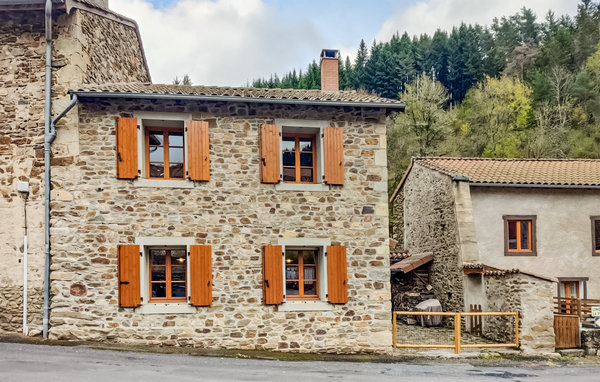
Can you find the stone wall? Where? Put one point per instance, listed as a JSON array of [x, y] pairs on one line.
[[532, 298], [430, 225], [87, 47], [397, 220], [11, 309], [590, 341], [237, 215]]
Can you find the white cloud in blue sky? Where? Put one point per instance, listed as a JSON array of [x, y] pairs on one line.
[[229, 42]]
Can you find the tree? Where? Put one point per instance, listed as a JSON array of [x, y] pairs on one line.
[[186, 80], [495, 114]]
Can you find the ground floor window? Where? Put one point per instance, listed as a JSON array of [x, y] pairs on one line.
[[301, 273], [168, 274]]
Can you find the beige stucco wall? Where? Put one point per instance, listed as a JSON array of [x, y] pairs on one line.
[[564, 233]]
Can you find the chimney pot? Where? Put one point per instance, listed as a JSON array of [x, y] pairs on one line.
[[329, 70]]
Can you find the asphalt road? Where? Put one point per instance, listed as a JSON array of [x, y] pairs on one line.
[[24, 362]]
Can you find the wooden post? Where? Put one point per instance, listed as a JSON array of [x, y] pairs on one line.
[[516, 329], [394, 329], [579, 309], [457, 333]]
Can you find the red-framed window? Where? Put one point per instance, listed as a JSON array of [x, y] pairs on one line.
[[168, 275], [165, 153], [299, 158], [302, 273]]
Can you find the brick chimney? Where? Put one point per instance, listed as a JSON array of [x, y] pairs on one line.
[[330, 77]]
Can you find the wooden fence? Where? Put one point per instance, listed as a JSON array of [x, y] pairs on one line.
[[575, 307], [457, 344]]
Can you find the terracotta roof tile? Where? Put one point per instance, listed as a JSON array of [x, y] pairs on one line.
[[360, 97], [399, 255], [556, 172]]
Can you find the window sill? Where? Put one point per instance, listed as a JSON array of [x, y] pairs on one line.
[[305, 306], [318, 187], [163, 183], [520, 253], [166, 308]]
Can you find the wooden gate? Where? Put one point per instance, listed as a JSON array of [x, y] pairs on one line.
[[566, 331]]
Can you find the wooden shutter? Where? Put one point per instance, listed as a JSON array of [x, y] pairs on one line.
[[127, 153], [333, 148], [337, 275], [198, 151], [200, 275], [129, 276], [272, 275], [269, 153]]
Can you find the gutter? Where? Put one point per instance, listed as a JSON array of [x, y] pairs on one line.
[[534, 185], [217, 98]]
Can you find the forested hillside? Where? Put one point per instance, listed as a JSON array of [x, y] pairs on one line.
[[521, 87]]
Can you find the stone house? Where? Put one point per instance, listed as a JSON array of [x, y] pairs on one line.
[[203, 216], [89, 44], [508, 234]]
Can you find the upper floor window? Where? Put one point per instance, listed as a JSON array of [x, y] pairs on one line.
[[595, 235], [519, 235], [165, 153], [299, 158]]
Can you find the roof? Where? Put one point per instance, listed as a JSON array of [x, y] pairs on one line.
[[397, 255], [486, 270], [221, 93], [517, 172], [412, 262]]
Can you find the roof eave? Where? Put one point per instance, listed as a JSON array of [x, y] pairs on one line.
[[195, 97], [534, 185]]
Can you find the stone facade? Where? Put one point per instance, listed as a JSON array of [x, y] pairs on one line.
[[80, 39], [531, 297], [430, 225], [590, 341], [235, 214]]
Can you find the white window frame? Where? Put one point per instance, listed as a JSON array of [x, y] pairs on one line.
[[309, 126], [141, 180], [146, 306], [322, 304]]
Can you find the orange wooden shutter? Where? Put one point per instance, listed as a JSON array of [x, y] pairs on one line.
[[269, 153], [127, 154], [272, 275], [198, 151], [200, 275], [337, 275], [129, 276], [333, 148]]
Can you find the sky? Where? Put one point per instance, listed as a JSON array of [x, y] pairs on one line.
[[231, 42]]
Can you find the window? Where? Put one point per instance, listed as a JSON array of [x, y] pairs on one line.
[[595, 235], [165, 154], [519, 235], [168, 275], [298, 153], [301, 273]]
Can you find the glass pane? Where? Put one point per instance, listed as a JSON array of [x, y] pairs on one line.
[[176, 154], [157, 170], [177, 256], [157, 154], [288, 144], [306, 174], [310, 273], [158, 273], [306, 159], [309, 257], [512, 235], [289, 159], [524, 234], [178, 273], [597, 235], [159, 290], [310, 288], [158, 256], [176, 170], [176, 139], [291, 256], [291, 288], [291, 273], [289, 174], [178, 290], [305, 144], [156, 138]]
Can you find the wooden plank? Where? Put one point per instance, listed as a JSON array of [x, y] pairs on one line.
[[337, 274], [333, 144], [272, 274], [127, 153], [269, 154], [566, 331], [198, 147], [201, 275], [129, 276]]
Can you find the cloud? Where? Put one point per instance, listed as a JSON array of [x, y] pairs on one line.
[[220, 42], [427, 16]]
